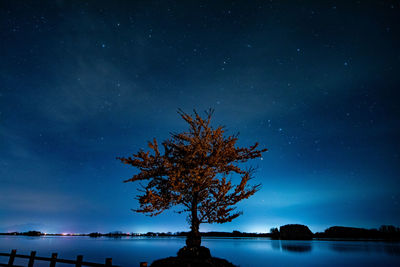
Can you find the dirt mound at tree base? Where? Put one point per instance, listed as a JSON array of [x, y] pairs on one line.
[[191, 262], [198, 256]]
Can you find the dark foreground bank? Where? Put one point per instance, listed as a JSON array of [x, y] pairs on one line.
[[178, 262]]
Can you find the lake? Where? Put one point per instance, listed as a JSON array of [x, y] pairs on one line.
[[130, 251]]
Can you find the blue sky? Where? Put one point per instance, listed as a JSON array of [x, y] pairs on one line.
[[315, 83]]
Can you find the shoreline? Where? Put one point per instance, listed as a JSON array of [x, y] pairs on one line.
[[218, 237]]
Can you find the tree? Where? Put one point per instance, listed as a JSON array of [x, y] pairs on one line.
[[194, 172], [274, 233]]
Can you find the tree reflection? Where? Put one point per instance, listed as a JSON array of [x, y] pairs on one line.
[[299, 247]]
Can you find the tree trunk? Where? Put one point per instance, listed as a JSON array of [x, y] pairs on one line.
[[194, 237]]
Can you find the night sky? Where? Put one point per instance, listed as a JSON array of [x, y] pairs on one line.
[[83, 82]]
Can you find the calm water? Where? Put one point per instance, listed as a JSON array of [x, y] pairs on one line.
[[240, 251]]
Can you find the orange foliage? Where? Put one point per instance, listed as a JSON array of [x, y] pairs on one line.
[[194, 172]]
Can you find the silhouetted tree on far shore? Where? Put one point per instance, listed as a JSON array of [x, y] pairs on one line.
[[193, 171], [274, 233]]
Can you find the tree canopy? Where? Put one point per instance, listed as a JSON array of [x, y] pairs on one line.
[[194, 172]]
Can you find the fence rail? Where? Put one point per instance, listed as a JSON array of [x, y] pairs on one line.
[[53, 260]]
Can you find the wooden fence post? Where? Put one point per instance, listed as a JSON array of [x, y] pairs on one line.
[[32, 259], [108, 262], [12, 257], [53, 260], [143, 264], [79, 260]]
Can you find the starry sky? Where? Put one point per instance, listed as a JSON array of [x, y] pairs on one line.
[[83, 82]]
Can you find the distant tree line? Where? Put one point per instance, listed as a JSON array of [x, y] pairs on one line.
[[149, 234], [384, 232], [29, 233], [285, 232], [302, 232], [185, 234]]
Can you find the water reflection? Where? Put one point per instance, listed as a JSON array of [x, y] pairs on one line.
[[291, 246], [276, 244], [392, 249], [365, 247], [297, 247], [245, 252], [344, 247], [349, 247]]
